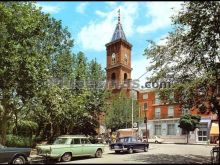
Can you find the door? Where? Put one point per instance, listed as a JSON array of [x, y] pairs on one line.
[[76, 147], [87, 147]]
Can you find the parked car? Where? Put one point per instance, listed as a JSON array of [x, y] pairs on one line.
[[155, 139], [67, 146], [13, 155], [128, 144]]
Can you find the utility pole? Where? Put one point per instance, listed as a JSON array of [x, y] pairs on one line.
[[145, 121]]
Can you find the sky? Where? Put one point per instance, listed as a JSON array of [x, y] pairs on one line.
[[92, 24]]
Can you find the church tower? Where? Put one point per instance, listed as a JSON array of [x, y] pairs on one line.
[[118, 68]]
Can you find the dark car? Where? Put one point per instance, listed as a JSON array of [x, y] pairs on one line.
[[14, 155], [128, 144]]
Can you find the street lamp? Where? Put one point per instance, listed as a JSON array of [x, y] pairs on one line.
[[145, 121]]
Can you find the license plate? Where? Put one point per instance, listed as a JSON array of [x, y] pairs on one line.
[[116, 147]]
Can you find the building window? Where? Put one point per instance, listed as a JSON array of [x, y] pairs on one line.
[[145, 106], [126, 59], [113, 58], [157, 129], [170, 111], [145, 96], [157, 98], [185, 111], [171, 129], [157, 113], [202, 133]]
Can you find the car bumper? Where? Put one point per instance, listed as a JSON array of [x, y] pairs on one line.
[[51, 156], [119, 149]]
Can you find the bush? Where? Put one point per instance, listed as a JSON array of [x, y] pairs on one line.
[[19, 141]]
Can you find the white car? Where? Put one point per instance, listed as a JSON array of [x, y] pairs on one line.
[[155, 139]]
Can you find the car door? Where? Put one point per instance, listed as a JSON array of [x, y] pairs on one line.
[[76, 147], [87, 147], [5, 154]]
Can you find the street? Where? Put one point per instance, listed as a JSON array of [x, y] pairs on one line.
[[157, 154]]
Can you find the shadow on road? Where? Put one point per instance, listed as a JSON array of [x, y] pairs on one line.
[[171, 159]]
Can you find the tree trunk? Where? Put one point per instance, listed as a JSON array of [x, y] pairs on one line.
[[187, 138], [3, 130]]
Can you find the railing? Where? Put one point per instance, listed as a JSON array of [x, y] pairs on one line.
[[167, 116]]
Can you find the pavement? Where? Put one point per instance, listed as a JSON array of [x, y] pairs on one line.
[[157, 154]]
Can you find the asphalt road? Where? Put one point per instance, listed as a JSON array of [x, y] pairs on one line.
[[157, 153]]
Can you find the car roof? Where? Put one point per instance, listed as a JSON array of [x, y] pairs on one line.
[[72, 136]]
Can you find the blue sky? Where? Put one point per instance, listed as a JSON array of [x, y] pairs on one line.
[[92, 24]]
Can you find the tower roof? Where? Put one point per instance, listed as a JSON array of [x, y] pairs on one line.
[[119, 33]]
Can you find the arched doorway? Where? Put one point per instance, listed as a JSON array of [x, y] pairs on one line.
[[113, 79]]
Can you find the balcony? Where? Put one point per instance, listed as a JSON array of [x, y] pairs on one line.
[[166, 116]]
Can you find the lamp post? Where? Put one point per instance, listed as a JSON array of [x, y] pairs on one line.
[[145, 121]]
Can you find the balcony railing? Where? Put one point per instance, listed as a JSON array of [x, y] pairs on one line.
[[167, 116]]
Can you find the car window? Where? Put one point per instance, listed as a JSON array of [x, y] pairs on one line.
[[61, 141], [133, 139], [76, 141], [85, 141]]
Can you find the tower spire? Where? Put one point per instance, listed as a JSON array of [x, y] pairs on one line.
[[118, 15]]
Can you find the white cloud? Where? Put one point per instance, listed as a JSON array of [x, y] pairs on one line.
[[101, 13], [139, 71], [81, 7], [160, 13], [95, 35], [53, 9]]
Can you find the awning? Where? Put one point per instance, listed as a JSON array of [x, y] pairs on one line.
[[214, 129]]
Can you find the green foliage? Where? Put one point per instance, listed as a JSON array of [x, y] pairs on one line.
[[189, 123], [188, 58], [119, 112], [26, 128], [37, 48], [19, 141]]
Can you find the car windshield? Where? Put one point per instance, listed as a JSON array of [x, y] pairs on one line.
[[61, 141]]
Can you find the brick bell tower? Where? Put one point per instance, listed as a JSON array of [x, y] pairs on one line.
[[118, 68]]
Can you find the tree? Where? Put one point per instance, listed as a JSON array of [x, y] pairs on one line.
[[189, 123], [29, 40], [188, 58], [118, 115]]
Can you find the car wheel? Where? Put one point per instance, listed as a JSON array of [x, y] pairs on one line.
[[156, 142], [19, 160], [98, 153], [130, 150], [66, 157], [145, 148]]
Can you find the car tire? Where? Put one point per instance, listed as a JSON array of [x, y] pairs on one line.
[[18, 160], [145, 148], [156, 142], [98, 153], [130, 150], [66, 157]]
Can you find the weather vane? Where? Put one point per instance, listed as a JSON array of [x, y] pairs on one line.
[[118, 15]]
